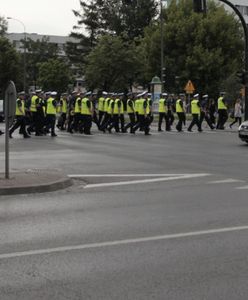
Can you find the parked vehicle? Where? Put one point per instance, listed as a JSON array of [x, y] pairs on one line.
[[243, 131]]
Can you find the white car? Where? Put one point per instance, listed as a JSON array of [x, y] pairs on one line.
[[243, 131]]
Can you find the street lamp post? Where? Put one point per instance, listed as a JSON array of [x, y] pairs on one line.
[[24, 53]]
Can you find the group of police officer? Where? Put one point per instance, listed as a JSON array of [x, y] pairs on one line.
[[78, 110]]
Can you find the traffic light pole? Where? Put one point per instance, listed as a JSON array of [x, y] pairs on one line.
[[246, 51]]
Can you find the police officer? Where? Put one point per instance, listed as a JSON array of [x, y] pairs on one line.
[[70, 114], [115, 112], [20, 116], [101, 103], [51, 110], [222, 111], [144, 109], [170, 111], [204, 115], [180, 112], [35, 105], [77, 112], [195, 111], [86, 113], [162, 110], [62, 109], [130, 112]]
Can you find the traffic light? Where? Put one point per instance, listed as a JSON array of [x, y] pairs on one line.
[[200, 6], [242, 77]]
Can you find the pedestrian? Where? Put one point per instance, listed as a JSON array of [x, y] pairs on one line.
[[204, 114], [62, 109], [130, 112], [20, 117], [237, 113], [222, 111], [180, 112], [86, 113], [212, 111], [195, 111], [51, 110], [162, 110]]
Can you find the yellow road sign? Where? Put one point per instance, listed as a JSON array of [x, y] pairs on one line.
[[189, 87]]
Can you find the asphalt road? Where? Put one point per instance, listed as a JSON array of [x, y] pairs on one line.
[[171, 222]]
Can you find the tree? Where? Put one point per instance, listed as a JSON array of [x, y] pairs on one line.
[[54, 74], [37, 52], [9, 64], [206, 49], [111, 64], [3, 26]]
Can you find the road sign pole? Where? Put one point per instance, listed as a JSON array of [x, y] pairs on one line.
[[7, 136]]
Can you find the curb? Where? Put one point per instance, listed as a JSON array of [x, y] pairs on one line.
[[61, 182]]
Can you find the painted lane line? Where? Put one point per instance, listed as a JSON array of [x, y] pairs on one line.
[[242, 187], [107, 184], [229, 180], [123, 175], [122, 242]]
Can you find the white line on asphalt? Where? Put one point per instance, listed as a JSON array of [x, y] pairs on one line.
[[242, 187], [106, 184], [122, 242], [122, 175], [229, 180]]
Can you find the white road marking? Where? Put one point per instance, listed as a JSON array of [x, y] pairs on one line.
[[122, 175], [106, 184], [242, 187], [229, 180], [122, 242]]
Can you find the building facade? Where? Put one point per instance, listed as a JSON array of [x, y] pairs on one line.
[[242, 6]]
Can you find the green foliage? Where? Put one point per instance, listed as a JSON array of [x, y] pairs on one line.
[[37, 52], [3, 26], [206, 49], [54, 74], [9, 63], [111, 65]]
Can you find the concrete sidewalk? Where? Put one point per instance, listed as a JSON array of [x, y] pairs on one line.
[[33, 181]]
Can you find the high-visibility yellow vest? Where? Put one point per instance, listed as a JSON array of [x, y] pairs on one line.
[[130, 106], [162, 108], [195, 109], [20, 110], [122, 107], [33, 103], [178, 106], [117, 109], [110, 111], [141, 107], [105, 104], [85, 110], [136, 105], [64, 106], [101, 101], [148, 105], [221, 104], [77, 105], [51, 109]]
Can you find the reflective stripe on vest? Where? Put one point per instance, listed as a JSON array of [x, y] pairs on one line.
[[221, 104], [51, 109], [130, 106], [178, 106], [85, 110], [33, 103], [20, 110], [110, 106], [101, 101], [141, 107], [77, 106], [195, 109], [117, 109], [162, 108]]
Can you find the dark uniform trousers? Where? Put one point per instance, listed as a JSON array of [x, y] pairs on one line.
[[163, 116], [77, 119], [222, 118], [181, 119], [144, 123], [195, 121], [51, 120], [105, 122], [100, 116], [86, 124], [20, 122], [205, 116], [114, 123], [131, 123]]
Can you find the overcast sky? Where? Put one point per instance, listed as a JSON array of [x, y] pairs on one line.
[[50, 17]]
